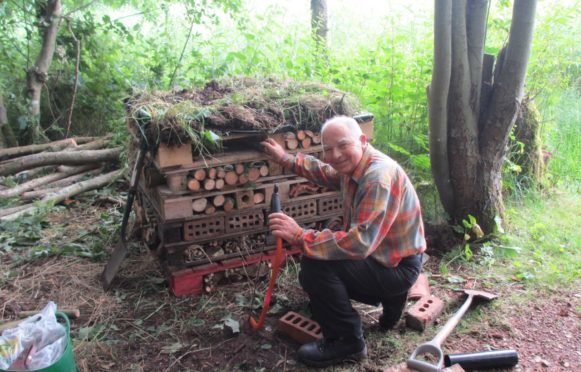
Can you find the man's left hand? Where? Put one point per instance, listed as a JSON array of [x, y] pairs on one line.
[[286, 228]]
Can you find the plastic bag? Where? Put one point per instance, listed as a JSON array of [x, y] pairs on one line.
[[40, 334]]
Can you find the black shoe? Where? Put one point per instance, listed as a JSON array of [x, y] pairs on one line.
[[392, 310], [326, 352]]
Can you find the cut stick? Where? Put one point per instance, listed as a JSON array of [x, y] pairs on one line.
[[220, 172], [219, 184], [218, 200], [258, 198], [199, 205], [70, 191], [200, 174], [309, 133], [228, 204], [94, 145], [243, 179], [59, 158], [253, 174], [210, 209], [26, 175], [316, 138], [212, 173], [263, 170], [239, 168], [12, 152], [193, 184], [306, 143], [231, 178], [301, 135], [209, 184], [37, 182]]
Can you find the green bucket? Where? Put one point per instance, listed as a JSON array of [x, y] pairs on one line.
[[66, 362]]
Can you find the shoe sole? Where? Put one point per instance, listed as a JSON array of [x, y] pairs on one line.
[[351, 358]]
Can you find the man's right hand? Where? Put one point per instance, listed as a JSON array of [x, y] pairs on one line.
[[273, 149]]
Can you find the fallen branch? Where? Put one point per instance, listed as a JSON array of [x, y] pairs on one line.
[[58, 158], [33, 149], [70, 191], [17, 190], [9, 211]]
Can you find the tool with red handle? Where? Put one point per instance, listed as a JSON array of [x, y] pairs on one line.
[[277, 261]]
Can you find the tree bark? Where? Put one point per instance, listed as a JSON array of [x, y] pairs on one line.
[[438, 102], [13, 152], [57, 158], [7, 138], [37, 75]]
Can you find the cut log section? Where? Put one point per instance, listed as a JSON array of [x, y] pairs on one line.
[[193, 184], [239, 168], [200, 174], [199, 205], [306, 142], [209, 184], [212, 173], [231, 178], [219, 184], [258, 198], [219, 200], [253, 174]]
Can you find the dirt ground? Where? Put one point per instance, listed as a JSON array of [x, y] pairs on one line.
[[140, 326]]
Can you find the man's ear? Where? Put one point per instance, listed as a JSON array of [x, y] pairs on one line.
[[363, 139]]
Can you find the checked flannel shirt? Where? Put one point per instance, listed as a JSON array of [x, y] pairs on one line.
[[382, 215]]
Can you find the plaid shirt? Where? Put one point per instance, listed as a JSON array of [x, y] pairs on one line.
[[382, 215]]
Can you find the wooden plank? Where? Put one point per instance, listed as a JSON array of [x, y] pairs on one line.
[[170, 156]]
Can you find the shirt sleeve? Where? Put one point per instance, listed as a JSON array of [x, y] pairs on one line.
[[313, 169], [376, 213]]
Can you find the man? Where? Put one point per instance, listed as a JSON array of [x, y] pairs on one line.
[[377, 256]]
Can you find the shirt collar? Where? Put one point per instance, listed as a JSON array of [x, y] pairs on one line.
[[363, 164]]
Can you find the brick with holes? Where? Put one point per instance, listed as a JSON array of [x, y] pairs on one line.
[[424, 312], [299, 328]]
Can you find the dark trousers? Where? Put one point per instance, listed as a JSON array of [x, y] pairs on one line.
[[331, 284]]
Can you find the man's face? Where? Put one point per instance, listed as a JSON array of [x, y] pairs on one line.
[[342, 149]]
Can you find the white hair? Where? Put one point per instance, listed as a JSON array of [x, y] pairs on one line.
[[346, 121]]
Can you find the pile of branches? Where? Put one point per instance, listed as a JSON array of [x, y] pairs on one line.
[[54, 172], [232, 104]]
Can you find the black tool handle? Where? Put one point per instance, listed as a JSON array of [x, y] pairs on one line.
[[275, 201]]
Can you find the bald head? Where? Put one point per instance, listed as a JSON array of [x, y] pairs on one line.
[[343, 121]]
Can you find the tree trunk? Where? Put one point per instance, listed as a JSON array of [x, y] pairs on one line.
[[36, 76], [58, 158], [319, 28], [7, 138], [467, 141]]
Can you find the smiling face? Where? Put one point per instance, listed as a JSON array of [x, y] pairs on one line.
[[343, 145]]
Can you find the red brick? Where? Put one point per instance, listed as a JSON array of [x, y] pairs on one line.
[[421, 288], [424, 312], [299, 328]]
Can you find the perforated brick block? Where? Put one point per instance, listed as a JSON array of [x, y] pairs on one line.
[[301, 209], [424, 312], [299, 328], [204, 228], [245, 221], [421, 288], [330, 204]]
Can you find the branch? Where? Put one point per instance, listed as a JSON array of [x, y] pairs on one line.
[[476, 33]]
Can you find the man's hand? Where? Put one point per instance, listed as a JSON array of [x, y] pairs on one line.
[[286, 228], [273, 149]]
